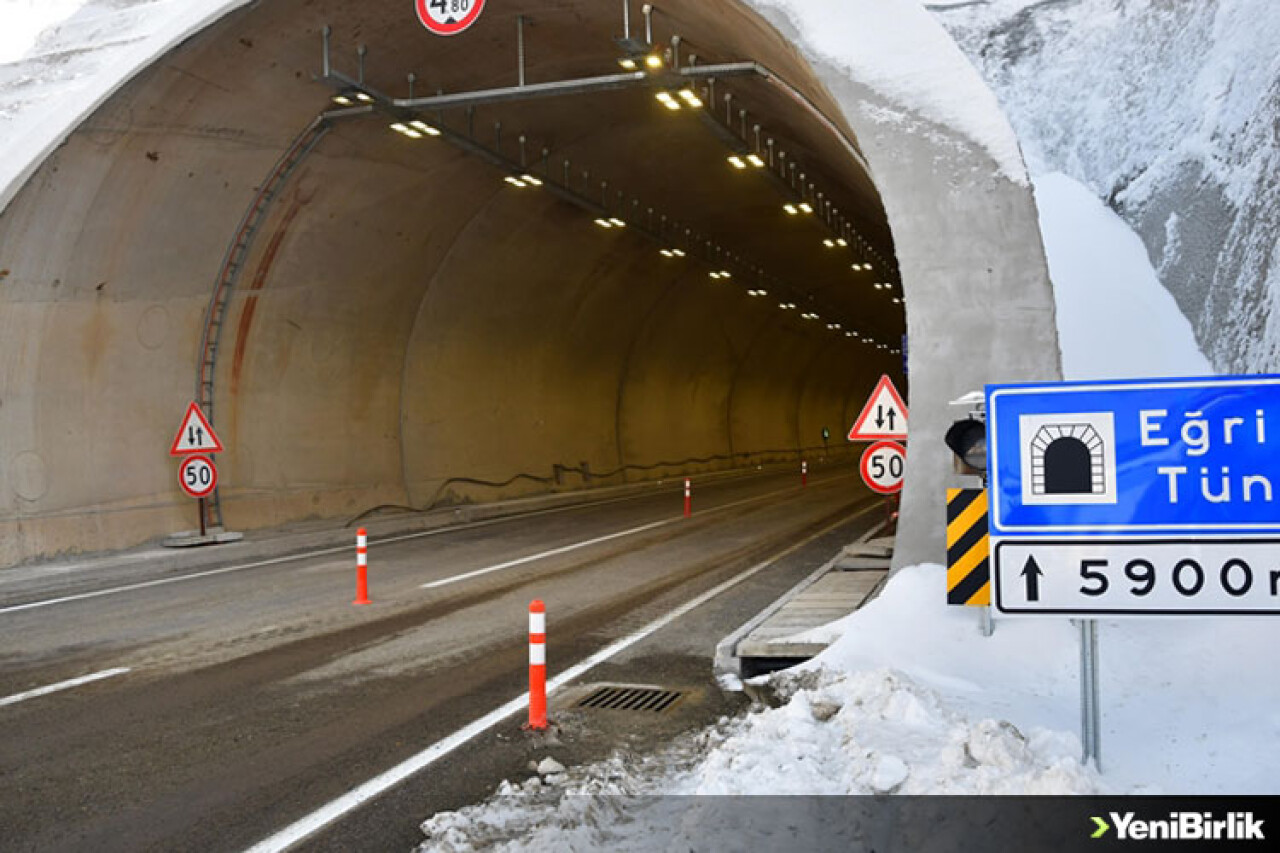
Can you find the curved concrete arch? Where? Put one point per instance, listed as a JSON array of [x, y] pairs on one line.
[[405, 320]]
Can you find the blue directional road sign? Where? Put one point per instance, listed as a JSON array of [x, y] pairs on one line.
[[1151, 496]]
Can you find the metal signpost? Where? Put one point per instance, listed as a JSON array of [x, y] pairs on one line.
[[197, 474], [1142, 498], [883, 420]]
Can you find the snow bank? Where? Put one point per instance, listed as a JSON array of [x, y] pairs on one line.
[[896, 48]]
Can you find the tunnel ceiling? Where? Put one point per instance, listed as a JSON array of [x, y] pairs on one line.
[[629, 155]]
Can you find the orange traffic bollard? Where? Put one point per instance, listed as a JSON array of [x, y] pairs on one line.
[[362, 567], [537, 665]]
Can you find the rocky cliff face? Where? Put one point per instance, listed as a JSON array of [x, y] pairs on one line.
[[1170, 111]]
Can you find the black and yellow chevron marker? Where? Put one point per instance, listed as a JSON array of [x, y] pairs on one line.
[[968, 566]]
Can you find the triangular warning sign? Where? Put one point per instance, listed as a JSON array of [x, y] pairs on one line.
[[195, 435], [884, 417]]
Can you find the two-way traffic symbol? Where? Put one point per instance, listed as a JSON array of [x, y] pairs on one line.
[[884, 417]]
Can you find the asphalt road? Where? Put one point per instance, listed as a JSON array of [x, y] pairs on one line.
[[256, 693]]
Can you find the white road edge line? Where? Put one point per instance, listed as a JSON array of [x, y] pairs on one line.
[[116, 590], [63, 685], [555, 552], [353, 799]]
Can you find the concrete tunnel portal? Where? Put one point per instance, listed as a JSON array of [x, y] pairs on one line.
[[411, 293]]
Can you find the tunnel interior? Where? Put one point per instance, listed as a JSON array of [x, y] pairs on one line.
[[386, 300]]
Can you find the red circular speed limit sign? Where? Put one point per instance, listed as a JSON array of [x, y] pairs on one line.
[[198, 476], [883, 464], [448, 17]]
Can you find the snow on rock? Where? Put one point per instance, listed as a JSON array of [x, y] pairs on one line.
[[896, 48], [1115, 320], [1168, 111]]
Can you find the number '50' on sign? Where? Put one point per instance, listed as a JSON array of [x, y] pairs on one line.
[[883, 465], [198, 476]]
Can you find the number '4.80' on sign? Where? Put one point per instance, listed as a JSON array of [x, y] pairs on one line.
[[448, 17]]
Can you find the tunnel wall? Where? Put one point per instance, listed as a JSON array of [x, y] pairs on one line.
[[405, 320], [975, 280]]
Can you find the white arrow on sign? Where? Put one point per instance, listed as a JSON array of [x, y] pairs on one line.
[[195, 435], [884, 417]]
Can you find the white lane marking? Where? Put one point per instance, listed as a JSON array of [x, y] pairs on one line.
[[62, 685], [457, 528], [380, 784], [555, 552]]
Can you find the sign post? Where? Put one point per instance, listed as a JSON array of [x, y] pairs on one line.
[[1134, 499], [197, 474], [883, 421]]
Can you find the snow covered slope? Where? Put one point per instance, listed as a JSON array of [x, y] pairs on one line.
[[1170, 111]]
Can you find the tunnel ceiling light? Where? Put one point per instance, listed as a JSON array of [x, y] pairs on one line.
[[668, 100], [514, 181], [364, 97], [791, 209], [424, 128], [809, 316], [805, 207], [841, 242], [404, 130], [604, 223], [617, 223], [829, 243], [627, 63], [755, 160], [653, 61], [691, 98], [672, 253], [737, 162], [531, 180], [850, 335], [343, 100], [835, 327], [757, 292]]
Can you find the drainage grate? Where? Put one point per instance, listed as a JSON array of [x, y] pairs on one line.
[[623, 698]]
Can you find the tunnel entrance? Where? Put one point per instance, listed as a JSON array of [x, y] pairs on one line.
[[672, 156]]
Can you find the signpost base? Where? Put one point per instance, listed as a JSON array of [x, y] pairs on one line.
[[193, 538]]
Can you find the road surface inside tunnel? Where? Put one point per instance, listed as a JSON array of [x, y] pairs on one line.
[[254, 696]]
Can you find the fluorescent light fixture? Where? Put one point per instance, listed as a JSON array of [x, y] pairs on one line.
[[714, 274], [787, 306], [364, 97], [737, 162], [627, 63], [514, 181], [691, 98], [666, 253], [668, 101], [342, 100], [849, 335], [405, 130], [725, 274], [806, 207], [679, 253], [842, 242], [604, 223], [757, 292], [755, 160], [829, 243], [425, 128], [531, 180], [791, 209], [616, 222], [653, 61]]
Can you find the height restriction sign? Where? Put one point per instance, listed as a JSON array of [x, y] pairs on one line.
[[448, 17]]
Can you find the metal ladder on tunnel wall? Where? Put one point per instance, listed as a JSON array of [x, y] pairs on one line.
[[229, 276]]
